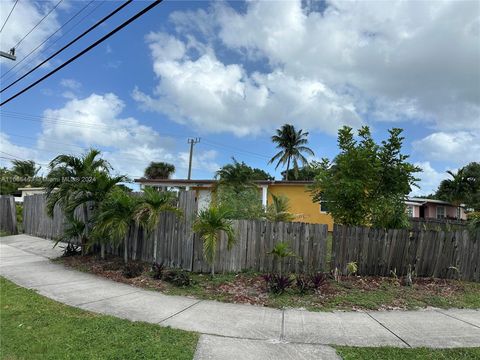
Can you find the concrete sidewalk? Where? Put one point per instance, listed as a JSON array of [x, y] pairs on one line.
[[254, 330]]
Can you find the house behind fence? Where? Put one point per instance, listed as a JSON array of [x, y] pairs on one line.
[[8, 218], [444, 254]]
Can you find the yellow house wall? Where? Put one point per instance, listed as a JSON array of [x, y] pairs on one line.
[[301, 204]]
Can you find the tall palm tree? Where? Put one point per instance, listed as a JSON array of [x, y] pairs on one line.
[[209, 223], [292, 144], [454, 190], [25, 168]]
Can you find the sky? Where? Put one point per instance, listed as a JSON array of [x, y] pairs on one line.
[[231, 73]]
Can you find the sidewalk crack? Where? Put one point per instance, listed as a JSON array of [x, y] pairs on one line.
[[453, 317], [179, 312]]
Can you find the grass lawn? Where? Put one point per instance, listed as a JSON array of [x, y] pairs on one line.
[[34, 327], [389, 353], [369, 293]]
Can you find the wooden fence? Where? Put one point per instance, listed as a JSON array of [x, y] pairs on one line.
[[8, 218], [437, 224], [174, 244], [429, 253]]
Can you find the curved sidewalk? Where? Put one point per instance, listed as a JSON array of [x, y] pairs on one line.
[[25, 261]]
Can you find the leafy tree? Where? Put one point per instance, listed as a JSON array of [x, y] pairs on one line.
[[305, 173], [292, 145], [367, 183], [278, 209], [7, 185], [159, 170], [209, 223], [463, 187], [240, 175]]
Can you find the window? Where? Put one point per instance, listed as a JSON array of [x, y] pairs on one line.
[[440, 212], [410, 210], [324, 206]]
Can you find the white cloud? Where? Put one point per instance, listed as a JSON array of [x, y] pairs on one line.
[[224, 98], [24, 17], [97, 121], [429, 179], [385, 61], [458, 147], [9, 150], [71, 84]]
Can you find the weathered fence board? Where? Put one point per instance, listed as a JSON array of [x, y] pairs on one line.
[[8, 218], [429, 253]]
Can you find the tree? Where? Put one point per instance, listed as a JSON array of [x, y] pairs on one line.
[[76, 181], [159, 170], [366, 184], [236, 190], [463, 187], [280, 252], [25, 169], [209, 223], [278, 209], [305, 173], [292, 144], [116, 214]]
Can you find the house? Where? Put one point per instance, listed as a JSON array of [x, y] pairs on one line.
[[300, 200], [422, 208], [28, 190]]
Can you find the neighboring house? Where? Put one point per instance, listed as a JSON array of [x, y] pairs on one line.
[[26, 191], [434, 209], [300, 201]]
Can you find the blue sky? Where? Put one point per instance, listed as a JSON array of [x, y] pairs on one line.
[[233, 72]]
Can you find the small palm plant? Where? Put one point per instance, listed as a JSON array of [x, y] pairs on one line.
[[116, 215], [280, 252], [278, 209], [209, 223]]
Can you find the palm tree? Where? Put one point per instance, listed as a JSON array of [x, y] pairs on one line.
[[115, 216], [292, 144], [159, 170], [278, 209], [209, 223], [25, 168], [152, 204], [280, 252], [76, 181], [454, 190]]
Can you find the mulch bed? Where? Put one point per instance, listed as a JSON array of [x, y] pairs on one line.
[[248, 288]]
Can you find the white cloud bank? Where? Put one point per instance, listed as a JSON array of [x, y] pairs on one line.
[[385, 61]]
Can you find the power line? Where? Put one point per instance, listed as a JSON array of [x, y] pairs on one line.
[[8, 17], [69, 44], [96, 43], [51, 44], [48, 38], [51, 10]]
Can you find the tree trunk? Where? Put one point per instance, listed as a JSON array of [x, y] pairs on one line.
[[125, 250], [85, 220], [213, 268], [288, 168], [102, 251]]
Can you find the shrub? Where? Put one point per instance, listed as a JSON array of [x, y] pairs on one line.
[[71, 250], [132, 270], [178, 278], [157, 271], [318, 280], [352, 268], [307, 283], [276, 283]]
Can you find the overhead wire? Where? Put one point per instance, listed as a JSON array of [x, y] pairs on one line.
[[84, 51], [8, 17], [91, 28], [49, 37], [41, 20]]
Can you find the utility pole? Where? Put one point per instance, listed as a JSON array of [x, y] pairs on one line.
[[191, 141], [10, 55]]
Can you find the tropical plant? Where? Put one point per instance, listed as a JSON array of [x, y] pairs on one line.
[[132, 270], [243, 204], [152, 204], [159, 170], [209, 223], [367, 183], [352, 268], [179, 278], [304, 173], [25, 168], [74, 182], [292, 145], [115, 216], [277, 283], [280, 252], [240, 175], [278, 209]]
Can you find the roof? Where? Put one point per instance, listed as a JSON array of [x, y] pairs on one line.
[[433, 201], [209, 182]]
